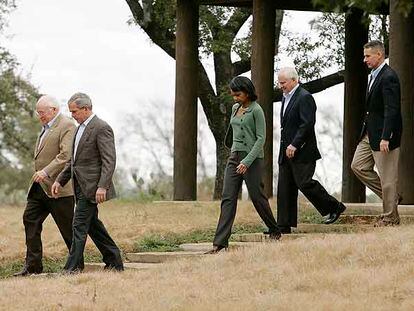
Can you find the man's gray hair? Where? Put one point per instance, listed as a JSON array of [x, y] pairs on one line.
[[49, 101], [376, 45], [81, 100], [289, 73]]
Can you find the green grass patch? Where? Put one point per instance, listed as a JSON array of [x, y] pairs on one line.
[[170, 242], [309, 215], [50, 265]]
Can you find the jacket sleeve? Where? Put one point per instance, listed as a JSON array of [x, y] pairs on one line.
[[65, 151], [260, 127], [307, 115], [391, 97], [65, 174], [106, 146]]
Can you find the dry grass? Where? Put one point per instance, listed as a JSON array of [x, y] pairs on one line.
[[125, 222], [370, 271]]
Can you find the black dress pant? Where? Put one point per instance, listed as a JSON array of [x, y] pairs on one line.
[[38, 207], [232, 185], [86, 222], [298, 176]]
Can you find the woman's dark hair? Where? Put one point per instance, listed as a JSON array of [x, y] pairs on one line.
[[243, 84]]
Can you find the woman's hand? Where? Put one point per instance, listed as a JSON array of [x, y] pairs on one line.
[[241, 168]]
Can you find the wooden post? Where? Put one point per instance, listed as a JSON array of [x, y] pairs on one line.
[[185, 112], [263, 48], [356, 35], [402, 61]]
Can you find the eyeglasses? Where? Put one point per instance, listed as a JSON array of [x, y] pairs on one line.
[[43, 112]]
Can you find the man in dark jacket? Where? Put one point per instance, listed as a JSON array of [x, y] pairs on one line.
[[91, 168], [298, 154], [381, 134]]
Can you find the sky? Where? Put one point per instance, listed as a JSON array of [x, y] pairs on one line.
[[69, 46]]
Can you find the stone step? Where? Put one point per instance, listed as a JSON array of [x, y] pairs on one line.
[[352, 208], [243, 240], [369, 208], [159, 257], [204, 247], [260, 237], [98, 266], [332, 228], [302, 230], [370, 219]]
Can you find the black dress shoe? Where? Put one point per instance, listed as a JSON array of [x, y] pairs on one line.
[[26, 272], [215, 250], [275, 235], [333, 216], [285, 230]]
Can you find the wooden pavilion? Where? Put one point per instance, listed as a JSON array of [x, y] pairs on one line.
[[356, 35]]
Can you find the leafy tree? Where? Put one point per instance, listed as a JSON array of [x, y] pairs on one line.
[[404, 6], [220, 37], [309, 53], [18, 126]]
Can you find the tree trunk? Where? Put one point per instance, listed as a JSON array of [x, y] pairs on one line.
[[222, 154], [401, 59], [185, 112], [356, 35]]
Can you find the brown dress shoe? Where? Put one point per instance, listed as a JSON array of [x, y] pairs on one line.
[[386, 222]]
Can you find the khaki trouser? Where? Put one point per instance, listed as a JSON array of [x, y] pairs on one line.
[[385, 185]]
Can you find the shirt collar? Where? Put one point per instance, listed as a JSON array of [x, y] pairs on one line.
[[292, 91], [86, 122], [50, 123], [375, 72]]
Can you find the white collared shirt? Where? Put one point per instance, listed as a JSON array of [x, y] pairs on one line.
[[288, 96], [79, 133], [46, 129], [374, 74]]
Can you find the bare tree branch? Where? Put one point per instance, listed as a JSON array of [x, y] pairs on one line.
[[317, 85]]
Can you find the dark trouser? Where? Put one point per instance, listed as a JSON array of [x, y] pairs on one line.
[[86, 222], [294, 176], [232, 185], [38, 207]]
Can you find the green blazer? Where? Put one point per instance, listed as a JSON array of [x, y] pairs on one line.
[[247, 133]]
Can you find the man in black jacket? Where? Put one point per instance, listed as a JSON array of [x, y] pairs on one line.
[[298, 154], [381, 134]]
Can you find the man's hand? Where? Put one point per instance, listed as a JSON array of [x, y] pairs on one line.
[[40, 176], [384, 146], [55, 189], [290, 151], [241, 168], [100, 196]]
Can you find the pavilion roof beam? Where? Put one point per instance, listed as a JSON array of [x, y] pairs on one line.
[[297, 5]]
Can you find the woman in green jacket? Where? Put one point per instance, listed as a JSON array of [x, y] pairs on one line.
[[248, 130]]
